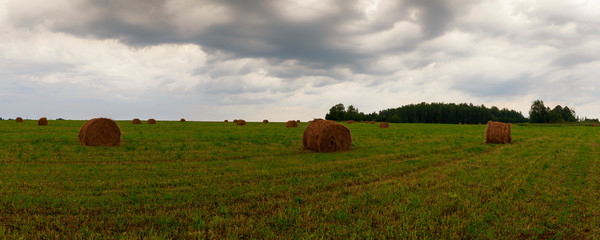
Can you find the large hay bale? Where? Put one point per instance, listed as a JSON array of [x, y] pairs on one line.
[[182, 120], [136, 121], [151, 121], [384, 125], [100, 132], [43, 122], [326, 136], [291, 124], [19, 120], [497, 132], [265, 121], [241, 122]]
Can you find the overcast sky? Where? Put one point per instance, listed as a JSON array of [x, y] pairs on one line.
[[292, 59]]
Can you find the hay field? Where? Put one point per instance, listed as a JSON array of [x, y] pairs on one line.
[[218, 180]]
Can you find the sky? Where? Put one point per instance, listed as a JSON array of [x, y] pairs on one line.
[[292, 59]]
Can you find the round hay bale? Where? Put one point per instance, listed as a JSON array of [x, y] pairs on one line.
[[297, 120], [265, 121], [241, 122], [235, 121], [43, 122], [326, 136], [151, 121], [182, 120], [497, 132], [350, 122], [226, 120], [100, 132], [384, 125], [136, 121], [291, 124], [19, 120], [372, 122]]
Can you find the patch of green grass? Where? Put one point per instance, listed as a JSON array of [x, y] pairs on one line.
[[222, 181]]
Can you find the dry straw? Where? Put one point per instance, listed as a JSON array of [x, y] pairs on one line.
[[182, 120], [497, 132], [265, 121], [151, 121], [291, 124], [100, 132], [326, 136], [384, 125], [19, 120], [136, 121], [241, 122], [43, 122]]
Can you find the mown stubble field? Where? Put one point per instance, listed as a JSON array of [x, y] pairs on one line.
[[219, 180]]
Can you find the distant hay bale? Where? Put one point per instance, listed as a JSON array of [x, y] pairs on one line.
[[151, 121], [226, 120], [372, 122], [182, 120], [350, 121], [265, 121], [497, 132], [297, 120], [43, 122], [136, 121], [100, 132], [235, 121], [19, 120], [326, 136], [291, 124], [384, 125], [241, 122]]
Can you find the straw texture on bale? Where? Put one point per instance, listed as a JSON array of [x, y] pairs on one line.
[[384, 125], [151, 121], [497, 132], [100, 132], [43, 122], [265, 121], [326, 136], [19, 120], [182, 120], [291, 124], [136, 121], [241, 122]]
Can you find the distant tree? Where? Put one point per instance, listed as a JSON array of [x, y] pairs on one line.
[[568, 114], [336, 113], [352, 114], [538, 113]]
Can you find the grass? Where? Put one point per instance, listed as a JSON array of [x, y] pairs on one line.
[[221, 181]]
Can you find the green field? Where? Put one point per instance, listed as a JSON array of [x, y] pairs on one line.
[[219, 180]]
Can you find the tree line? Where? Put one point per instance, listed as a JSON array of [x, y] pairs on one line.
[[539, 113], [453, 113], [429, 113]]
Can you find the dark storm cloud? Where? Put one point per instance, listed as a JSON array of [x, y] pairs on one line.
[[254, 28]]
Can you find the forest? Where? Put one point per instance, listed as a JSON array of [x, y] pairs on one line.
[[454, 114]]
